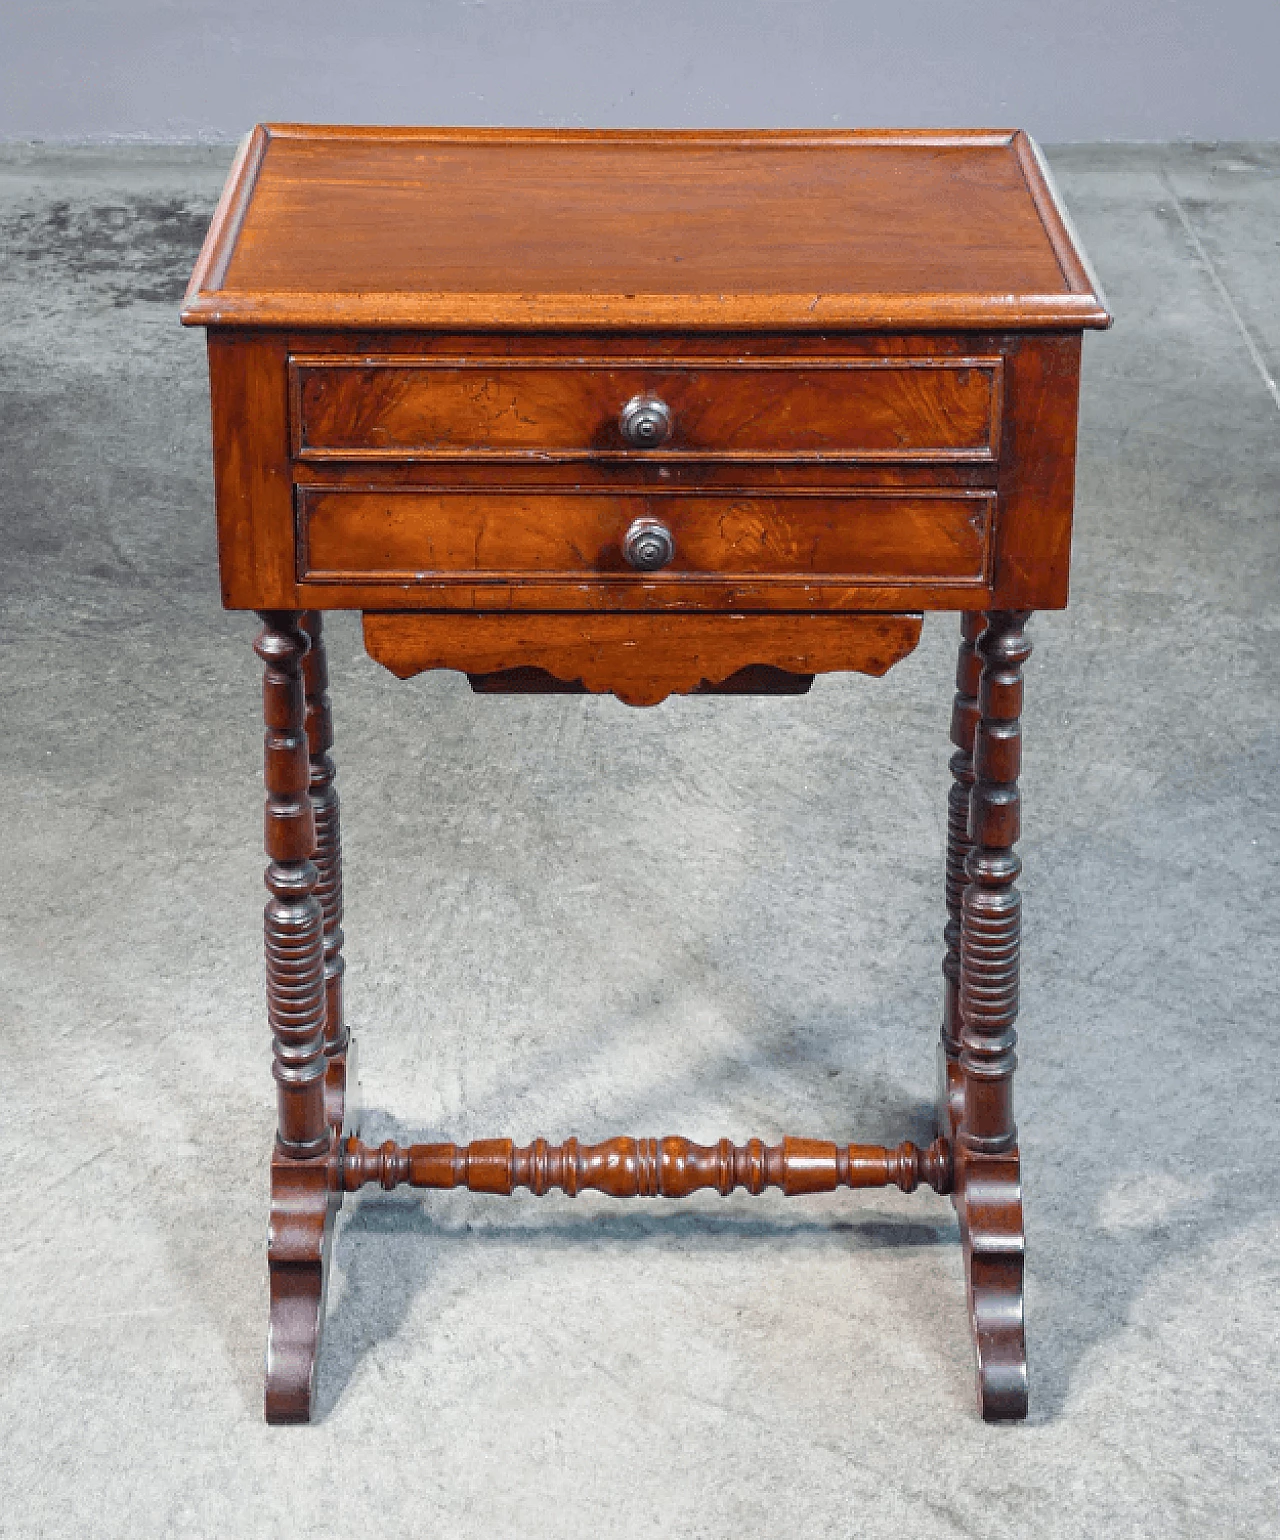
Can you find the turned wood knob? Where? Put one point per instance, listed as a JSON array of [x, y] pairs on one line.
[[648, 545], [645, 422]]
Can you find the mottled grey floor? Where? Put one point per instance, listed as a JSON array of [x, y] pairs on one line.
[[568, 917]]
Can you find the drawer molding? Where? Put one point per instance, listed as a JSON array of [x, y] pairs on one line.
[[639, 658], [353, 410]]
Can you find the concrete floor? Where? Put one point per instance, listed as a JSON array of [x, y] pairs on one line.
[[565, 916]]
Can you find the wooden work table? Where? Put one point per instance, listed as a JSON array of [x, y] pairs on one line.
[[642, 413]]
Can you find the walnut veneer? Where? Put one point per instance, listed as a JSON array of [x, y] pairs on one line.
[[642, 413]]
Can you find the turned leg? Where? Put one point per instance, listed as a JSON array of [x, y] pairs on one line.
[[988, 1189], [964, 721], [302, 1204], [339, 1050]]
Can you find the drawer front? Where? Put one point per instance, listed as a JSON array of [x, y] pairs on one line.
[[895, 409], [407, 535]]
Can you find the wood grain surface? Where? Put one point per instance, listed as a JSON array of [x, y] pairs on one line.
[[640, 658], [541, 407], [387, 227], [406, 535]]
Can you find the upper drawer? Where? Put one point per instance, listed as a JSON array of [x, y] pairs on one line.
[[792, 409]]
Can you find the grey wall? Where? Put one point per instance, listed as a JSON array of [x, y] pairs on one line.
[[1065, 69]]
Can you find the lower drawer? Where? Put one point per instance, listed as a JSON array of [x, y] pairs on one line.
[[641, 658], [407, 535]]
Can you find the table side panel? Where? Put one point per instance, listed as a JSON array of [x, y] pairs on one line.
[[1037, 473], [252, 474]]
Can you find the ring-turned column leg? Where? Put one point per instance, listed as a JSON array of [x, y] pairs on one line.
[[964, 721], [302, 1202], [340, 1077], [988, 1189]]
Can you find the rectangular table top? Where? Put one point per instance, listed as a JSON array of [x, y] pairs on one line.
[[384, 228]]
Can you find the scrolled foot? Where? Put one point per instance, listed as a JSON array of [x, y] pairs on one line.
[[303, 1207], [989, 1201]]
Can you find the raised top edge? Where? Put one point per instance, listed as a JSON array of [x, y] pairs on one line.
[[254, 300], [992, 137]]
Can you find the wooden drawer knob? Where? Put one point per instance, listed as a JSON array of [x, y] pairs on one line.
[[645, 422], [647, 545]]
